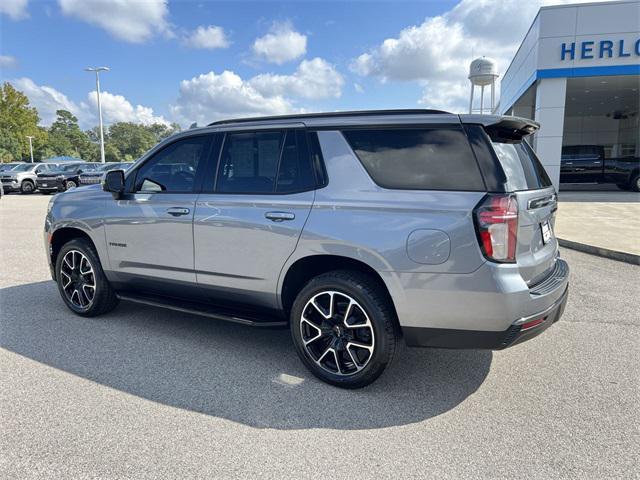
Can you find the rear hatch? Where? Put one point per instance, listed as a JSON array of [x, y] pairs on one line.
[[527, 180]]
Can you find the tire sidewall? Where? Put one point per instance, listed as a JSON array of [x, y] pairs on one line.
[[69, 184], [81, 246], [380, 357]]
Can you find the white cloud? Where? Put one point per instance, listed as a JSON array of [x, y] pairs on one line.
[[437, 52], [444, 95], [47, 100], [207, 37], [212, 96], [116, 108], [312, 79], [7, 61], [15, 9], [281, 44], [130, 20]]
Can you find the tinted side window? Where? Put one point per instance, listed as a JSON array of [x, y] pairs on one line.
[[295, 173], [172, 169], [249, 162], [418, 158]]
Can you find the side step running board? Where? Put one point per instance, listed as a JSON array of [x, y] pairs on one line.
[[211, 311]]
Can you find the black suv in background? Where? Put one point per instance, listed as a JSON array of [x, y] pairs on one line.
[[64, 177], [587, 164], [95, 176]]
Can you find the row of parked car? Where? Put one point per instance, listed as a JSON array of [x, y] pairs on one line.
[[52, 177]]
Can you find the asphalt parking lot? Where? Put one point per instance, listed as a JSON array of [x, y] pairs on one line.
[[147, 393]]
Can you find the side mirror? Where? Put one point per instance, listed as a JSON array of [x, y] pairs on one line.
[[114, 182]]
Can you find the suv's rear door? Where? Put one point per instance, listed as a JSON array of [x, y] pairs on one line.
[[249, 222]]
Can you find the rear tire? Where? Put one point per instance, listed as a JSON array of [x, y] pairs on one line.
[[634, 185], [343, 328], [86, 294]]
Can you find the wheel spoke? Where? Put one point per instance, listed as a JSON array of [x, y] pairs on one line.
[[84, 291], [353, 306], [360, 345], [87, 266], [335, 356], [320, 309], [76, 294], [312, 339], [324, 354], [68, 277], [353, 359]]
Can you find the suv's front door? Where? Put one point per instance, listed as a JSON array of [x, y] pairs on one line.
[[247, 227], [149, 230]]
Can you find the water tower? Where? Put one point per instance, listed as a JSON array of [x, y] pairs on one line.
[[483, 72]]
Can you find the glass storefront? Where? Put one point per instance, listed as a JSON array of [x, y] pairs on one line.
[[602, 118]]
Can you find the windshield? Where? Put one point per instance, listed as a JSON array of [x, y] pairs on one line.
[[23, 168], [521, 166]]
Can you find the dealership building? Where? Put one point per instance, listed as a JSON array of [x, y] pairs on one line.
[[577, 72]]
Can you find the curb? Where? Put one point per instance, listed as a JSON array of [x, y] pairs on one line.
[[601, 252]]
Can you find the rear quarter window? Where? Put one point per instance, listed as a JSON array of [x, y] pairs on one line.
[[521, 166], [417, 158]]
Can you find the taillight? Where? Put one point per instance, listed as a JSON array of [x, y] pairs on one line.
[[496, 219]]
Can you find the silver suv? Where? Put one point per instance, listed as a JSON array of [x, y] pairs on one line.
[[355, 229], [22, 177]]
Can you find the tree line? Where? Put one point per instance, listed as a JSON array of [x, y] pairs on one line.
[[124, 141]]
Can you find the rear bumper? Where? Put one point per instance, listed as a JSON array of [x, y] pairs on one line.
[[518, 332], [485, 309]]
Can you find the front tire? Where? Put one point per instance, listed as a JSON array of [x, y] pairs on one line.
[[343, 328], [635, 183], [69, 184], [27, 187], [81, 281]]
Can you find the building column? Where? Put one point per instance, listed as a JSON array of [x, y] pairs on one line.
[[549, 113]]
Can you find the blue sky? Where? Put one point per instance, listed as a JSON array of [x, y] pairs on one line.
[[278, 56]]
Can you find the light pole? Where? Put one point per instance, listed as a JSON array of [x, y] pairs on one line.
[[97, 70], [30, 146]]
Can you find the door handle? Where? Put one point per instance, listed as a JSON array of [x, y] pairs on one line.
[[177, 211], [279, 216]]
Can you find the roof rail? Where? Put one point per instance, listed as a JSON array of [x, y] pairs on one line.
[[356, 113]]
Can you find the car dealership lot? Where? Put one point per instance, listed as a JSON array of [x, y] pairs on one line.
[[148, 393]]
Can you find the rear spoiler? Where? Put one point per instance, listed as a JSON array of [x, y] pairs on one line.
[[503, 128]]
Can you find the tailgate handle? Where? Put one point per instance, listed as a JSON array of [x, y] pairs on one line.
[[541, 202]]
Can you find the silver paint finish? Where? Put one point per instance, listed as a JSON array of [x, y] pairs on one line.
[[428, 246], [240, 249], [159, 242]]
